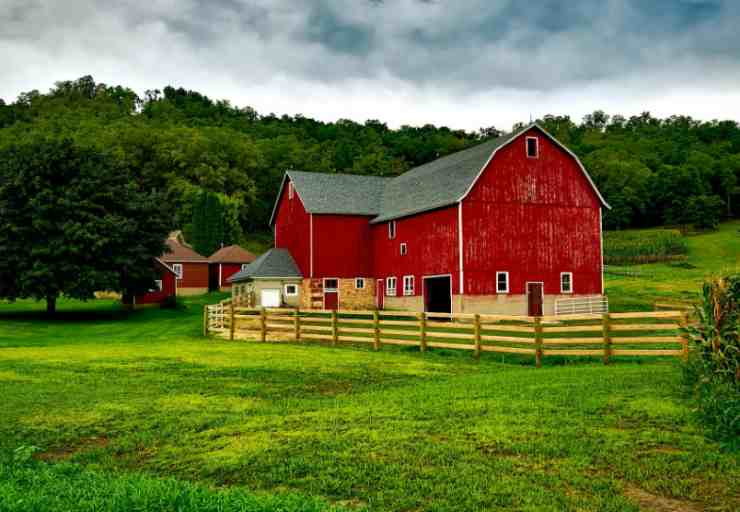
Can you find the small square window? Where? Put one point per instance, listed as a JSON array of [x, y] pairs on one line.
[[390, 286], [360, 283], [404, 249], [331, 284], [392, 230], [502, 282], [566, 282], [291, 290], [408, 285], [177, 267], [533, 150]]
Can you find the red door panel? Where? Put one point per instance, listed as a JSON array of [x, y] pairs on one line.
[[534, 299], [331, 300], [379, 293]]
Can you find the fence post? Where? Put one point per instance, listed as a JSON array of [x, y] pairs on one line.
[[538, 341], [233, 322], [684, 337], [297, 322], [205, 320], [376, 329], [423, 331], [334, 328], [606, 330], [476, 333], [263, 325]]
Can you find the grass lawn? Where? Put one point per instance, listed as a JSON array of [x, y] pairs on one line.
[[136, 411], [710, 254]]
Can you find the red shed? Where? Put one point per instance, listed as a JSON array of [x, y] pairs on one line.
[[226, 262], [164, 287], [510, 226], [190, 267]]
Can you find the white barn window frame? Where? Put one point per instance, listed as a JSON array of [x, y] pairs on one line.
[[566, 282], [392, 230], [403, 249], [390, 286], [408, 285], [291, 290], [177, 268], [502, 285], [291, 190], [359, 283], [536, 147]]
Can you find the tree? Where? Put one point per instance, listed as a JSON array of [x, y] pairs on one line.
[[74, 220], [215, 221]]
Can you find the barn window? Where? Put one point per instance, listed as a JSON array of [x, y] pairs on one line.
[[291, 290], [390, 286], [566, 282], [392, 230], [291, 190], [404, 249], [533, 150], [244, 266], [360, 283], [502, 282], [331, 284], [408, 285], [177, 267]]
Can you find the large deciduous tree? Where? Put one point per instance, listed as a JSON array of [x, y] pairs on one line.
[[74, 220]]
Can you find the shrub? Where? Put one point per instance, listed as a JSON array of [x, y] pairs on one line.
[[713, 370], [643, 246]]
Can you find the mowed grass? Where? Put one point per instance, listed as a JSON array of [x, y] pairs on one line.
[[137, 411], [638, 287]]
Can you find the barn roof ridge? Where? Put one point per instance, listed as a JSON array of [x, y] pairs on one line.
[[436, 184], [232, 254]]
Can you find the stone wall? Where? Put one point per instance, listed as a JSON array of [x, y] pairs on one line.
[[312, 294]]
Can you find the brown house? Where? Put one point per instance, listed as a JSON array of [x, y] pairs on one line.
[[190, 268], [226, 262]]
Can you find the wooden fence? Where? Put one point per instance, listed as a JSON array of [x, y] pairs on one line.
[[655, 333]]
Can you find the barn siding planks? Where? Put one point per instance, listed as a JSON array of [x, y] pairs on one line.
[[534, 218], [292, 228]]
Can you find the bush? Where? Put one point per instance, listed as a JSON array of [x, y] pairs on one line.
[[713, 370], [643, 246]]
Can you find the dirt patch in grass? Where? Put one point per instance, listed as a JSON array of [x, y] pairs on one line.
[[654, 503], [67, 452]]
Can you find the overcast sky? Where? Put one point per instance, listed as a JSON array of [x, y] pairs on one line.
[[460, 63]]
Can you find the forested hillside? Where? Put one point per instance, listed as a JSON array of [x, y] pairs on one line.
[[205, 152]]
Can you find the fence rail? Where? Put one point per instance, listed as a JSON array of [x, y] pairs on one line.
[[655, 333]]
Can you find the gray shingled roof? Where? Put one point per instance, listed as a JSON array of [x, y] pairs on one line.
[[347, 194], [436, 184], [273, 263]]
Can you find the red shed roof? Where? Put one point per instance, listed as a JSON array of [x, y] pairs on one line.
[[178, 253], [232, 254]]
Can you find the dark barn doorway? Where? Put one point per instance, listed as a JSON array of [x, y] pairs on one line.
[[438, 294]]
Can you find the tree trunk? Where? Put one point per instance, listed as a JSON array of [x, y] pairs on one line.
[[51, 305]]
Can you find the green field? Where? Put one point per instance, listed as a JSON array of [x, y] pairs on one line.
[[108, 410], [136, 411], [638, 287]]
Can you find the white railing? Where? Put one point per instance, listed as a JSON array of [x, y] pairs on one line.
[[582, 305]]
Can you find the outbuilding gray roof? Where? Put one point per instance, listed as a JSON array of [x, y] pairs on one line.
[[277, 263], [437, 184]]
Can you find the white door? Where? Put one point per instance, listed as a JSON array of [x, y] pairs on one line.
[[270, 298]]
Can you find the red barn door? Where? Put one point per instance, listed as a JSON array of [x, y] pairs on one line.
[[331, 294], [535, 298]]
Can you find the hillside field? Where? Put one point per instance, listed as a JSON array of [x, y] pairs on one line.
[[638, 287], [108, 410]]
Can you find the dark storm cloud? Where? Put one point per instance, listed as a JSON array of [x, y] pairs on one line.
[[293, 52]]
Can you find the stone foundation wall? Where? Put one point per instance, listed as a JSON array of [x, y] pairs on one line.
[[505, 304], [184, 292], [312, 294], [405, 303]]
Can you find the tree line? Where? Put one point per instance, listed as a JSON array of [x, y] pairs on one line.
[[198, 152]]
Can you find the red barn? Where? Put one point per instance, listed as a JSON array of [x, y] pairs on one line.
[[190, 267], [164, 287], [226, 262], [509, 226]]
